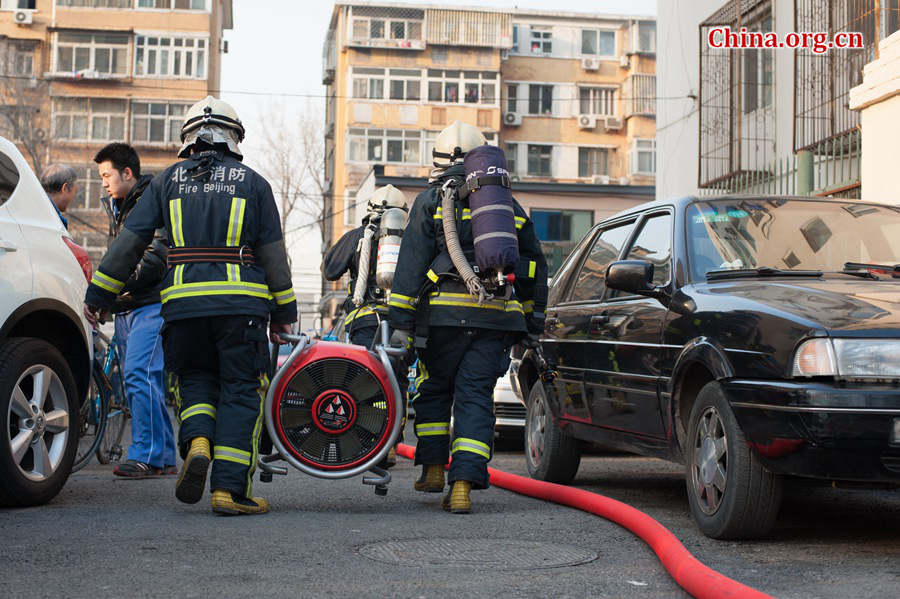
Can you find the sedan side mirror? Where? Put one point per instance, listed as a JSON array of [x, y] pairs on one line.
[[634, 277]]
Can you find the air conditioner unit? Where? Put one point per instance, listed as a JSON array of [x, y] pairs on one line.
[[613, 123], [504, 54], [23, 16], [623, 61], [600, 179], [587, 121], [513, 119], [590, 64]]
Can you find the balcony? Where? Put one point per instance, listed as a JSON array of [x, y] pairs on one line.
[[88, 75]]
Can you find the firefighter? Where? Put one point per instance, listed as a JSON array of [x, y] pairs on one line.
[[361, 321], [227, 275], [462, 343]]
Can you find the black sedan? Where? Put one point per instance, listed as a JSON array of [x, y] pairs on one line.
[[749, 338]]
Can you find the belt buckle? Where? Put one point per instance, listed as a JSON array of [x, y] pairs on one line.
[[241, 256]]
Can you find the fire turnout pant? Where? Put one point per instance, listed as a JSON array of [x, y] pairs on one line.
[[457, 373], [217, 369]]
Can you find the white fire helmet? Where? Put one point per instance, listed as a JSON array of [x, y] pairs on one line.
[[214, 122], [386, 197], [453, 142]]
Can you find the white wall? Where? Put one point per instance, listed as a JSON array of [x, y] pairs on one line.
[[678, 76]]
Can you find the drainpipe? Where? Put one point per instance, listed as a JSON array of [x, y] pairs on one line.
[[804, 172]]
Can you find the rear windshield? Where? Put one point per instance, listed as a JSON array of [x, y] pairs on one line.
[[789, 234]]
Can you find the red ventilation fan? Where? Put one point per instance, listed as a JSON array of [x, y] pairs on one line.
[[333, 410]]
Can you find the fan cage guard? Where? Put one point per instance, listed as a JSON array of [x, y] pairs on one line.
[[334, 413]]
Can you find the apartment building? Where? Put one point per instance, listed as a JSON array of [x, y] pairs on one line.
[[83, 73], [569, 97]]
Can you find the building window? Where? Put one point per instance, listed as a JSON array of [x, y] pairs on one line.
[[89, 189], [541, 40], [163, 56], [598, 42], [350, 209], [369, 28], [380, 145], [561, 225], [95, 119], [539, 160], [511, 150], [405, 84], [644, 157], [593, 161], [640, 90], [97, 54], [597, 100], [515, 39], [462, 87], [646, 37], [172, 4], [540, 99], [97, 3], [737, 116], [512, 95], [22, 60], [157, 122]]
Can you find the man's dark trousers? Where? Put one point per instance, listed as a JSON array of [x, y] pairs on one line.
[[458, 371], [218, 374]]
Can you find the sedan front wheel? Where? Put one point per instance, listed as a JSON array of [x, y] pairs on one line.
[[550, 454], [731, 494]]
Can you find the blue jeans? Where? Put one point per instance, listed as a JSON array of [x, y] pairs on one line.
[[140, 350]]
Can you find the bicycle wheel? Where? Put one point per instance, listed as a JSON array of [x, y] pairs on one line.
[[91, 420], [118, 414]]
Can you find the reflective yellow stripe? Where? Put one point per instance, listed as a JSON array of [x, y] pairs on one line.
[[358, 313], [235, 221], [466, 213], [214, 288], [532, 268], [175, 219], [528, 306], [432, 429], [466, 300], [430, 274], [200, 408], [471, 445], [257, 429], [284, 297], [179, 275], [520, 222], [231, 454], [398, 300], [107, 282]]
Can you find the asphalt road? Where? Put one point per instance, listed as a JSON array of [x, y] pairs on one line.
[[104, 537]]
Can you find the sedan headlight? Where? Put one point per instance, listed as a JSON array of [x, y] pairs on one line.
[[848, 358]]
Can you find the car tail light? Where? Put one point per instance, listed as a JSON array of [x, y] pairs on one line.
[[84, 261]]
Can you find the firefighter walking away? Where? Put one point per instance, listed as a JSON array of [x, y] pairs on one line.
[[471, 281], [228, 275]]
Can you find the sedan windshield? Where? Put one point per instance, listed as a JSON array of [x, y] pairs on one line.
[[789, 235]]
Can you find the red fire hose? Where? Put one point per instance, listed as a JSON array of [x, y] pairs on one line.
[[694, 577]]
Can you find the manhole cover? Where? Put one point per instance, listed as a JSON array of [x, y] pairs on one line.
[[494, 554]]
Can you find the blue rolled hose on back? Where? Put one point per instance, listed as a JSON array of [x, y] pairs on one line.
[[491, 204]]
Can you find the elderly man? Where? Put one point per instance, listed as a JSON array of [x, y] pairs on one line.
[[59, 181]]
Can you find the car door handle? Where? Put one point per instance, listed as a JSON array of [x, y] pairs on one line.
[[8, 246], [600, 319]]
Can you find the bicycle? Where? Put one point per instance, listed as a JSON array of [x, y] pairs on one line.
[[105, 412]]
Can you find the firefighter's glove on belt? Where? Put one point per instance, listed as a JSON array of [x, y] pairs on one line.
[[402, 338]]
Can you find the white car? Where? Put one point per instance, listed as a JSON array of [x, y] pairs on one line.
[[509, 409], [45, 349]]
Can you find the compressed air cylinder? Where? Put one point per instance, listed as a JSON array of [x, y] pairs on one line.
[[493, 218], [393, 221]]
